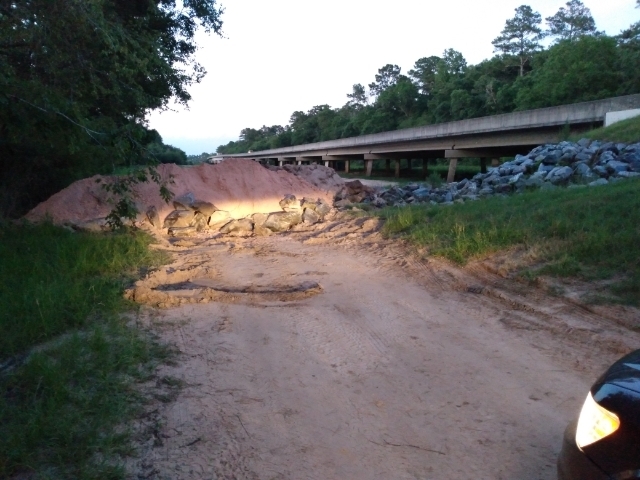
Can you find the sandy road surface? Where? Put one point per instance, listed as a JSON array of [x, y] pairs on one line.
[[332, 355]]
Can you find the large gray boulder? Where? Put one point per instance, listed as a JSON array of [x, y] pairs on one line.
[[310, 216], [308, 203], [259, 230], [200, 221], [283, 221], [290, 203], [205, 208], [583, 170], [179, 219], [614, 166], [219, 219], [322, 208], [238, 228], [559, 175], [184, 202], [185, 218], [153, 217]]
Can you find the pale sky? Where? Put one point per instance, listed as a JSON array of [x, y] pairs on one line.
[[285, 55]]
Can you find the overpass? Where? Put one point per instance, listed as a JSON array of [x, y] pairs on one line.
[[484, 138]]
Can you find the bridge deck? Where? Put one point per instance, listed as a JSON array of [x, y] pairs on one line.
[[485, 137]]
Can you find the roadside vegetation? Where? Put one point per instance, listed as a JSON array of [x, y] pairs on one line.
[[68, 362], [625, 131], [588, 233], [81, 108]]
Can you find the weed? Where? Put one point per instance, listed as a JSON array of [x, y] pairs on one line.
[[68, 363], [626, 131], [590, 233]]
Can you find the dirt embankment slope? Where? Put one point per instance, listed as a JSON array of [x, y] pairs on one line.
[[240, 187]]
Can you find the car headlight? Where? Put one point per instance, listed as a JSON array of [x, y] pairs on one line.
[[595, 423]]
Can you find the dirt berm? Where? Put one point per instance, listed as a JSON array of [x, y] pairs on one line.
[[240, 187]]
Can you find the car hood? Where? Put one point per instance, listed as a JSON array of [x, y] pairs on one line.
[[624, 373]]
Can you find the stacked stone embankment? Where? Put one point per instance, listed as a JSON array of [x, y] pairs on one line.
[[192, 216]]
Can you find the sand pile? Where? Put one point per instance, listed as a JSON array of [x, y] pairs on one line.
[[240, 187], [324, 178]]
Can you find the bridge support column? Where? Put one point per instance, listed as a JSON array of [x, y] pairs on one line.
[[425, 168], [453, 164], [326, 163], [397, 169], [280, 162], [368, 167], [483, 165], [346, 166], [299, 162]]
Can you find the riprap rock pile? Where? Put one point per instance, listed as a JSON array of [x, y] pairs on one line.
[[586, 162]]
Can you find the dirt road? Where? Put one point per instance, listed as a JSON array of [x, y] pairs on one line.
[[332, 355]]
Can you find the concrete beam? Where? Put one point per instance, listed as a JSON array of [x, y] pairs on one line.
[[341, 157], [368, 167], [396, 173], [382, 156], [453, 164], [525, 129]]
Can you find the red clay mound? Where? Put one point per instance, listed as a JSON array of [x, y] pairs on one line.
[[240, 187]]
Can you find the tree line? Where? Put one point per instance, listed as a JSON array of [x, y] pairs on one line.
[[581, 64], [77, 79]]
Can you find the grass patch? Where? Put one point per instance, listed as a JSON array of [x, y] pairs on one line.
[[63, 402], [53, 280], [625, 131], [590, 233]]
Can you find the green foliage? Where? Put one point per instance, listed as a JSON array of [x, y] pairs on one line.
[[579, 70], [53, 280], [77, 80], [67, 361], [625, 131], [358, 97], [385, 78], [194, 159], [571, 22], [590, 233], [63, 411], [162, 153], [521, 35], [122, 189]]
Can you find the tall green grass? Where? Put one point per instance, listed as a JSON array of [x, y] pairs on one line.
[[68, 363], [625, 131], [53, 280], [591, 233]]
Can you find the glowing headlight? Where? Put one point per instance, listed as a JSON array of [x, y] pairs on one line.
[[595, 423]]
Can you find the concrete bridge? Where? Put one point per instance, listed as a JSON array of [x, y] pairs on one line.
[[484, 138]]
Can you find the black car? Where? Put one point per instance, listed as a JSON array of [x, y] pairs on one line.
[[604, 442]]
